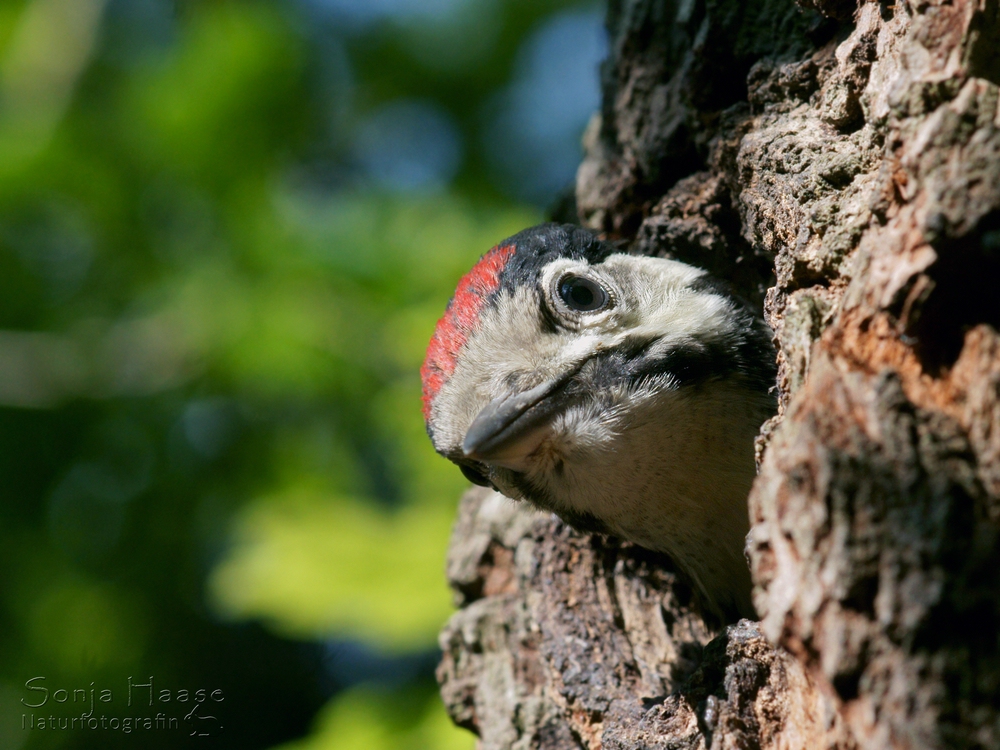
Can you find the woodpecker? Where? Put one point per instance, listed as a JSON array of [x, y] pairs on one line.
[[621, 392]]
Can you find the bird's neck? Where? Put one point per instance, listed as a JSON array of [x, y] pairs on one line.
[[674, 477]]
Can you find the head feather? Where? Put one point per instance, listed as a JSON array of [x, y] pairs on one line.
[[459, 320]]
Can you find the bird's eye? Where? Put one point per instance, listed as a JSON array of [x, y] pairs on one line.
[[475, 476], [582, 294]]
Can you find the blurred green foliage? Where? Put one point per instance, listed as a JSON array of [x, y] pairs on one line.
[[212, 461]]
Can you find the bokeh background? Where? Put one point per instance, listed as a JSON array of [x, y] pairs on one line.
[[227, 229]]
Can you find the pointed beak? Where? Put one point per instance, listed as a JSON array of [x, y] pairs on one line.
[[510, 426]]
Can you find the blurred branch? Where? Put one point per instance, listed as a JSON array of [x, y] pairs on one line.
[[128, 358], [48, 52]]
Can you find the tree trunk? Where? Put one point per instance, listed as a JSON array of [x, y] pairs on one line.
[[840, 165]]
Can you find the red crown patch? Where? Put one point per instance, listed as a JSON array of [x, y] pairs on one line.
[[459, 320]]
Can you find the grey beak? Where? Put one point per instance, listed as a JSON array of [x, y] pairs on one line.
[[507, 419]]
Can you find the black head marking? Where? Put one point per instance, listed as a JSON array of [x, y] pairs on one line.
[[542, 244], [474, 475]]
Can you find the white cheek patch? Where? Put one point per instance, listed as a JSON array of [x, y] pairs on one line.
[[581, 347], [511, 342], [661, 305], [692, 321]]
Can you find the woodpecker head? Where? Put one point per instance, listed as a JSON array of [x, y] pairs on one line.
[[621, 392]]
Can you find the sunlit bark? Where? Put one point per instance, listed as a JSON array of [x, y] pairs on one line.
[[842, 171]]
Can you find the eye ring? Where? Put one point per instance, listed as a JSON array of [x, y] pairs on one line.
[[581, 294]]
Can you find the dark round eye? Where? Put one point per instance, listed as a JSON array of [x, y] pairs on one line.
[[582, 294], [475, 476]]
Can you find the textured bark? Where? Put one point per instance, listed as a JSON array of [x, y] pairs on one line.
[[839, 163]]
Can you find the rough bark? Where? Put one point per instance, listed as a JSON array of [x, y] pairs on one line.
[[839, 163]]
